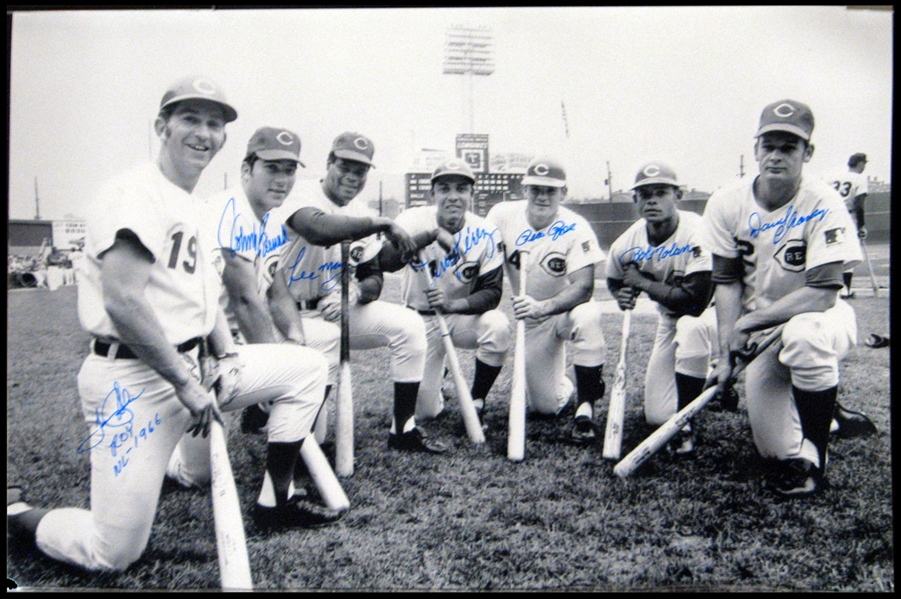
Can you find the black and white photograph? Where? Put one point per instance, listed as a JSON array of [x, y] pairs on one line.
[[450, 299]]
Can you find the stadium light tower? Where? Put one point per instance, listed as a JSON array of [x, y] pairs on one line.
[[469, 51]]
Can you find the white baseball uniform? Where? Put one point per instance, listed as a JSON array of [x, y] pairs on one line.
[[682, 343], [313, 274], [777, 249], [134, 415], [563, 247], [475, 254]]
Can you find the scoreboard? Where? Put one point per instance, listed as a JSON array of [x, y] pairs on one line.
[[490, 189]]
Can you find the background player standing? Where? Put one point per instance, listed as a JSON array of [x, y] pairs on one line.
[[459, 249], [556, 306], [310, 267], [149, 299], [662, 254], [779, 247], [854, 187]]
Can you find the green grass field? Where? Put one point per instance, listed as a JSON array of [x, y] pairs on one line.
[[471, 519]]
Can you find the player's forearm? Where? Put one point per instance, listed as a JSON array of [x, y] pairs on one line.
[[285, 316], [324, 229], [138, 328], [800, 301], [486, 294], [689, 297], [728, 310], [568, 298], [254, 321]]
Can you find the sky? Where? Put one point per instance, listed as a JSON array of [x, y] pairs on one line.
[[684, 85]]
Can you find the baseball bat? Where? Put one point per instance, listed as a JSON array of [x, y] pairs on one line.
[[231, 544], [323, 476], [464, 396], [516, 435], [866, 256], [677, 422], [613, 434], [344, 407]]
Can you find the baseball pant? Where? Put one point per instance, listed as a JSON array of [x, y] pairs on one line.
[[548, 389], [136, 423], [489, 334], [812, 346], [686, 345]]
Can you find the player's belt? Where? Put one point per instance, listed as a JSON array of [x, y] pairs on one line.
[[308, 304], [102, 348], [423, 312]]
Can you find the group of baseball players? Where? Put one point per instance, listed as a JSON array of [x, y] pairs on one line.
[[233, 303]]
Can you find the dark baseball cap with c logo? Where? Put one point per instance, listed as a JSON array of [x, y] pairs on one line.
[[272, 143], [353, 146], [789, 116], [545, 172]]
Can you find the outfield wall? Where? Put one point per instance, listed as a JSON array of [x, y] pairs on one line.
[[610, 220]]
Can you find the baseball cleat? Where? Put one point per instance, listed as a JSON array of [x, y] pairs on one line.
[[585, 431], [683, 444], [847, 424], [794, 478], [727, 401], [415, 441], [295, 513], [253, 419]]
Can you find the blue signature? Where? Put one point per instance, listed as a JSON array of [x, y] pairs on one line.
[[555, 231], [121, 417], [119, 441], [789, 221], [638, 254], [330, 270], [470, 238], [239, 241]]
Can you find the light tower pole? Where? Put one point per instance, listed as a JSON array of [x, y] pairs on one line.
[[469, 51]]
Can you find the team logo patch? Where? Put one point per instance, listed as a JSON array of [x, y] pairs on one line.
[[586, 246], [792, 256], [554, 264], [834, 236], [696, 251], [273, 266], [355, 254], [467, 272]]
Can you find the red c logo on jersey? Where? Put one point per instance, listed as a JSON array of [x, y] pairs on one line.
[[554, 264]]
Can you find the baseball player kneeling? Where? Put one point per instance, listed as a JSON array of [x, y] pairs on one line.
[[662, 255], [466, 267], [149, 298], [561, 253], [780, 243]]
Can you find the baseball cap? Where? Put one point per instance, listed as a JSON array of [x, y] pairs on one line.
[[546, 172], [453, 166], [655, 173], [353, 146], [857, 158], [198, 88], [787, 115], [271, 143]]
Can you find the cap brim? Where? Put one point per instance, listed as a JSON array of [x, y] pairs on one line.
[[453, 174], [657, 181], [279, 155], [230, 113], [356, 156], [543, 181], [784, 127]]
